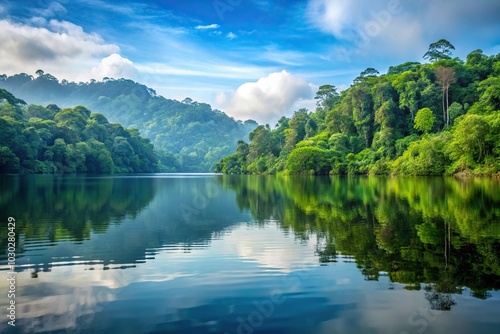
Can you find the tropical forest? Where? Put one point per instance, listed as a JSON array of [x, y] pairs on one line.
[[437, 118], [187, 136], [250, 167]]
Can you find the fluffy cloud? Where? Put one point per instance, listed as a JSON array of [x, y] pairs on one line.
[[58, 47], [267, 99], [115, 66]]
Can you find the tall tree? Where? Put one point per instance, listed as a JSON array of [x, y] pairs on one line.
[[363, 113], [445, 77], [479, 65], [370, 72], [386, 119], [326, 97], [408, 89], [260, 145], [439, 50]]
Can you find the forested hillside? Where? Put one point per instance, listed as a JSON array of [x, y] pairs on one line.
[[35, 139], [188, 136], [441, 117]]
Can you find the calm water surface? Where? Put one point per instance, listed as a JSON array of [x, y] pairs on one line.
[[226, 254]]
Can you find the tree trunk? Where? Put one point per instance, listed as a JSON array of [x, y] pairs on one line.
[[447, 106], [444, 109]]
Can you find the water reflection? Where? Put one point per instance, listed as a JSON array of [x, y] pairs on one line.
[[195, 254], [82, 240], [441, 232], [60, 208]]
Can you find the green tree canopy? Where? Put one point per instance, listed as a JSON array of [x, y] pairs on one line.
[[439, 50], [11, 99], [34, 139], [424, 120]]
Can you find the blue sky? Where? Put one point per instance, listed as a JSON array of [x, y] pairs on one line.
[[256, 59]]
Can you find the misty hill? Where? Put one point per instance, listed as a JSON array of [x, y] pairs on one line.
[[189, 136]]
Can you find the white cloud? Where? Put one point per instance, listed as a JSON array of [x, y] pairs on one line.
[[207, 27], [332, 16], [402, 28], [115, 66], [267, 99], [290, 256], [60, 48], [231, 35], [365, 26]]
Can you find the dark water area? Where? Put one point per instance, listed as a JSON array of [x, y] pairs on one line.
[[196, 253]]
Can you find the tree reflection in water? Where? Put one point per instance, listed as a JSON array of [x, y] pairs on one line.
[[441, 232]]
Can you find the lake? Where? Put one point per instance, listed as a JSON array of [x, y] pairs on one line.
[[251, 254]]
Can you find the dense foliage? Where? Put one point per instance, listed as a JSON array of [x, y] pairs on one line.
[[35, 139], [189, 136], [417, 119]]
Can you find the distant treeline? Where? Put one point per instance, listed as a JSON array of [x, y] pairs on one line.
[[442, 117], [188, 136], [36, 139]]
